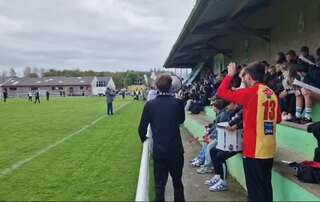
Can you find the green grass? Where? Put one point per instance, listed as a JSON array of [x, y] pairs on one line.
[[100, 163]]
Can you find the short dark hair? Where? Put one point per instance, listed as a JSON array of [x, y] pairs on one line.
[[265, 63], [291, 53], [164, 83], [220, 104], [318, 52], [281, 58], [304, 49], [256, 70]]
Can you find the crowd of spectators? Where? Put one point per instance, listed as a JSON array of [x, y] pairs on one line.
[[296, 105]]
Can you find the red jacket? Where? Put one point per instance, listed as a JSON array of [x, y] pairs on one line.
[[261, 113]]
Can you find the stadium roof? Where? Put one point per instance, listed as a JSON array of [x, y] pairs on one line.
[[209, 23]]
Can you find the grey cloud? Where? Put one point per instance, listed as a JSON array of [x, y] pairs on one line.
[[89, 34]]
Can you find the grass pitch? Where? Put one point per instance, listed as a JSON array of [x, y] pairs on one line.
[[99, 162]]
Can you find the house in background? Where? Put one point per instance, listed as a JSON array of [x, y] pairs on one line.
[[101, 84], [58, 86]]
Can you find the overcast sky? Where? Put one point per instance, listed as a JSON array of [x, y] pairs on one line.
[[102, 35]]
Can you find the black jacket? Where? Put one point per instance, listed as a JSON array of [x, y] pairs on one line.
[[273, 82], [165, 114]]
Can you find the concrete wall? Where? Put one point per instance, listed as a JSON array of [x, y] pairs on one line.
[[294, 23]]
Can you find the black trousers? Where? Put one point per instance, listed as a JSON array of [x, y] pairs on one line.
[[37, 99], [288, 104], [219, 158], [110, 108], [258, 178], [162, 168]]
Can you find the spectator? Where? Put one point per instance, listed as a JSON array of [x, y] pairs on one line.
[[47, 95], [287, 95], [30, 96], [223, 115], [304, 52], [5, 95], [272, 79], [165, 114], [308, 74], [281, 58], [259, 128], [152, 94], [109, 98], [291, 57], [218, 182], [318, 57]]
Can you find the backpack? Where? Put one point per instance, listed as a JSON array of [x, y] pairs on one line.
[[307, 171]]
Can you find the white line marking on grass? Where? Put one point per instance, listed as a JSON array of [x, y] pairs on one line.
[[24, 161]]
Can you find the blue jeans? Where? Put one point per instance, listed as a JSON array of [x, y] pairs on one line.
[[110, 108], [208, 160], [202, 154]]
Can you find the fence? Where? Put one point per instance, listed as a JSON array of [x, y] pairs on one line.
[[142, 193]]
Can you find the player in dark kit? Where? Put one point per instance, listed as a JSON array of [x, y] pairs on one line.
[[5, 95], [37, 97], [47, 95]]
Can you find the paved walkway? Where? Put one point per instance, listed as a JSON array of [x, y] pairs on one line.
[[195, 189]]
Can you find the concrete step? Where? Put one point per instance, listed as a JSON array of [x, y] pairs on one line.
[[285, 184], [195, 189], [291, 135]]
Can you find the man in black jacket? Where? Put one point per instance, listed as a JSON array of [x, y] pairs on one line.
[[165, 114]]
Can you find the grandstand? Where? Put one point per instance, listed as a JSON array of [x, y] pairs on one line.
[[221, 31]]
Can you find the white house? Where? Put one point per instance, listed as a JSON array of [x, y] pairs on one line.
[[100, 85]]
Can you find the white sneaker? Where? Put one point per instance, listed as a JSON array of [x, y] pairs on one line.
[[220, 186], [213, 180], [196, 163], [193, 160], [204, 170]]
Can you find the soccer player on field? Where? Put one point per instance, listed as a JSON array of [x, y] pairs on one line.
[[261, 114]]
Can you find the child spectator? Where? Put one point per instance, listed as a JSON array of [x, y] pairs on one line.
[[218, 182], [291, 57], [225, 113], [287, 95], [281, 58], [272, 79], [309, 74], [219, 106]]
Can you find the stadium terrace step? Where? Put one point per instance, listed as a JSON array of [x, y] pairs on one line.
[[294, 146], [295, 125], [194, 187], [293, 136]]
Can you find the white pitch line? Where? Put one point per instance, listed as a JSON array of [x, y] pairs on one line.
[[17, 165]]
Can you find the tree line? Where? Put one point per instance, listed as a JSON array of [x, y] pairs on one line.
[[121, 79]]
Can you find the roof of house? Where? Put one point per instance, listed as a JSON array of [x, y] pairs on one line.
[[106, 79], [48, 81]]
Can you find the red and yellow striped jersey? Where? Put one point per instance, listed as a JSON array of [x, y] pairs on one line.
[[261, 113]]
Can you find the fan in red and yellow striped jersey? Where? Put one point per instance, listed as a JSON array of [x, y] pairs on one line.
[[261, 114]]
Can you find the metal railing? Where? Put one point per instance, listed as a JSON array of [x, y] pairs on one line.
[[142, 193]]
